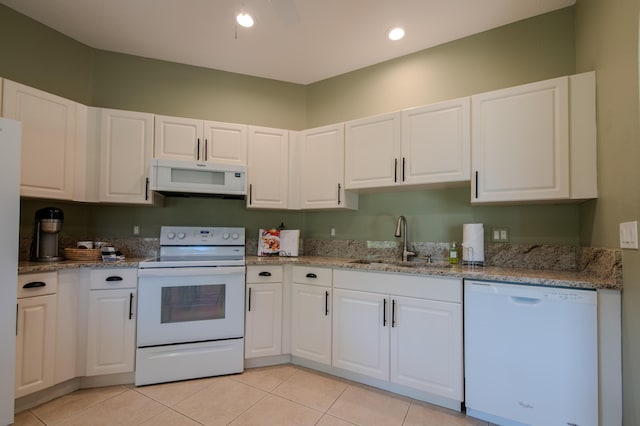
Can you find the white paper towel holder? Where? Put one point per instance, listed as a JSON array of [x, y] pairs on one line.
[[473, 244]]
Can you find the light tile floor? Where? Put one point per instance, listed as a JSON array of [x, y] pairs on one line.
[[279, 395]]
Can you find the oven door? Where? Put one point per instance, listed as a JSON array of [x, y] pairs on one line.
[[181, 305]]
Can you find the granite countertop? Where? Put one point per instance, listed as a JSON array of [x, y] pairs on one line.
[[513, 275], [25, 267]]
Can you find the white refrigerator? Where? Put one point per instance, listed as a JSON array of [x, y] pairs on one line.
[[10, 141]]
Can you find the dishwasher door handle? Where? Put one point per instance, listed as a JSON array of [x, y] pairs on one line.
[[525, 300]]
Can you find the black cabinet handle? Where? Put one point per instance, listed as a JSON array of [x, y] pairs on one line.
[[205, 150], [395, 170], [393, 313], [34, 284], [198, 150], [384, 313], [326, 303], [113, 278], [339, 188], [250, 193], [476, 184], [249, 304], [311, 275], [403, 162], [130, 305], [146, 189], [264, 274]]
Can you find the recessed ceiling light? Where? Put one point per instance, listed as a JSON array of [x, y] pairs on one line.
[[395, 33], [245, 20]]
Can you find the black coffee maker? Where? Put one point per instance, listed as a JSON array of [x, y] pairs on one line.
[[48, 224]]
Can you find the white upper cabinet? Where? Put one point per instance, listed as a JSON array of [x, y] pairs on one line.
[[126, 147], [268, 169], [535, 141], [197, 140], [225, 143], [48, 140], [372, 151], [320, 164], [436, 143], [417, 146]]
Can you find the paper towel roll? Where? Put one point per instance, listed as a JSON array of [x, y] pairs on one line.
[[473, 242]]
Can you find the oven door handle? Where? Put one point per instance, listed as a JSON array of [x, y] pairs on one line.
[[190, 272]]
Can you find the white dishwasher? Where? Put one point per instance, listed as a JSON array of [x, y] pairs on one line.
[[530, 354]]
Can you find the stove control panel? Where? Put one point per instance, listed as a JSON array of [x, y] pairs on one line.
[[195, 236]]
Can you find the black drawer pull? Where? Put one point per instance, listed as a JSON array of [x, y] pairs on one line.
[[113, 278], [326, 303], [384, 312], [311, 275], [130, 305], [265, 274], [34, 284]]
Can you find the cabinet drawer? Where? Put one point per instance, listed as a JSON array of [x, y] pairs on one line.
[[312, 275], [265, 274], [107, 278], [37, 284]]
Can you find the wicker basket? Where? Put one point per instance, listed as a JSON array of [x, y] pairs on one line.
[[82, 254]]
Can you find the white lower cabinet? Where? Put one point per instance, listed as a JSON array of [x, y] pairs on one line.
[[263, 325], [311, 314], [67, 362], [426, 352], [111, 324], [399, 328], [35, 332], [361, 334]]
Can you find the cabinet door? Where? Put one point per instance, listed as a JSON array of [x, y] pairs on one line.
[[263, 334], [321, 166], [426, 346], [68, 297], [372, 151], [178, 138], [311, 323], [520, 143], [436, 143], [361, 333], [111, 332], [35, 344], [126, 147], [48, 140], [225, 143], [268, 169]]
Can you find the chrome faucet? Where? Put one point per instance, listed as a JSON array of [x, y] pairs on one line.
[[401, 230]]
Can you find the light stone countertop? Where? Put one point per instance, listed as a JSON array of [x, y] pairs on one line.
[[25, 267], [489, 273]]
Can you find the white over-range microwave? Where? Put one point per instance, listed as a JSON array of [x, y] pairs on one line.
[[178, 177]]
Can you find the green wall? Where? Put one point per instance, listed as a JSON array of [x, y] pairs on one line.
[[38, 56], [607, 41], [141, 84], [530, 50]]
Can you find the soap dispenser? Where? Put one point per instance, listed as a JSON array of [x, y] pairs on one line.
[[453, 254]]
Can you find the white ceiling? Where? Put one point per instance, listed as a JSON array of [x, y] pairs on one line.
[[300, 41]]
